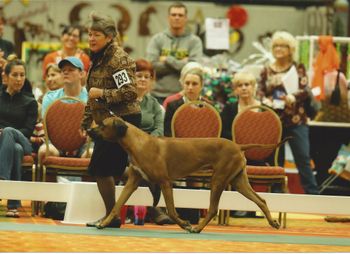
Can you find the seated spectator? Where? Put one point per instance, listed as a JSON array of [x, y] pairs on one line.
[[27, 87], [54, 79], [152, 119], [244, 87], [18, 114], [171, 98], [152, 112], [191, 79], [70, 38], [72, 70], [180, 94]]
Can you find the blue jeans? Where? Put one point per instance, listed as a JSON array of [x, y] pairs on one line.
[[13, 146], [300, 146]]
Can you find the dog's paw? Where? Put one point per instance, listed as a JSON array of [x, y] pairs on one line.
[[188, 228], [195, 230], [99, 226], [275, 224]]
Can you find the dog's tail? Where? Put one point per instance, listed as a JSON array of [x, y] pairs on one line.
[[264, 146]]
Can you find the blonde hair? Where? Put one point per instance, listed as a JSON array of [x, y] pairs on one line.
[[286, 37], [12, 57], [192, 68], [247, 77], [52, 66]]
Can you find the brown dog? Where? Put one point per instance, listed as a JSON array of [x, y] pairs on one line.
[[163, 160]]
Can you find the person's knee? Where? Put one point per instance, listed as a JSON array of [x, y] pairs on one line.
[[52, 151], [18, 150], [8, 131]]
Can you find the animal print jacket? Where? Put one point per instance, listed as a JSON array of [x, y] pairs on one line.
[[113, 71]]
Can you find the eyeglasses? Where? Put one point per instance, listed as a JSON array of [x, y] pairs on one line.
[[283, 46], [145, 76]]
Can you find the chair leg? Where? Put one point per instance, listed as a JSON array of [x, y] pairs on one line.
[[284, 220], [224, 217], [34, 179], [327, 182], [280, 218]]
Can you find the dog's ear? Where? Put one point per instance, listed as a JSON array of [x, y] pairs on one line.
[[120, 127]]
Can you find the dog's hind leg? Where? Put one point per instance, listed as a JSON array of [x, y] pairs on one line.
[[167, 190], [242, 185], [155, 191], [217, 186], [134, 178]]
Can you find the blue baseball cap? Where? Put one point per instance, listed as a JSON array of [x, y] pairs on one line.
[[75, 61]]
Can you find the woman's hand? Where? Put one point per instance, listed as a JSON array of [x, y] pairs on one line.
[[95, 93], [290, 99]]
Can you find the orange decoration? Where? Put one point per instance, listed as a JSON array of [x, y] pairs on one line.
[[327, 60]]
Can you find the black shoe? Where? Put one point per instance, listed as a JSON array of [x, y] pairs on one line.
[[114, 223]]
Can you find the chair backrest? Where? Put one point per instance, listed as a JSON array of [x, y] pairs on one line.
[[196, 119], [257, 125], [62, 122]]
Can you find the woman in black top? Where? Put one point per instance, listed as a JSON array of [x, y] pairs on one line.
[[18, 114]]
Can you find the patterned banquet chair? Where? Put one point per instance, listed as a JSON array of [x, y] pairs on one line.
[[261, 125], [197, 119], [62, 123]]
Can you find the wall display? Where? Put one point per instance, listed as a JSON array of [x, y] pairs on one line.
[[41, 21], [238, 17], [124, 21], [217, 33], [144, 19], [74, 14]]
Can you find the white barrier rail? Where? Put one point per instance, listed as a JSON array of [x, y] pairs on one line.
[[84, 203]]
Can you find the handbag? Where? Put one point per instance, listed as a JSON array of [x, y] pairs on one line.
[[311, 106]]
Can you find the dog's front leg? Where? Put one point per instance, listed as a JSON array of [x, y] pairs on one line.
[[167, 191], [134, 178]]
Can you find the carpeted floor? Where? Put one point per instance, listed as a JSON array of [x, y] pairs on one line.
[[303, 234]]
